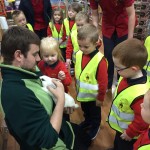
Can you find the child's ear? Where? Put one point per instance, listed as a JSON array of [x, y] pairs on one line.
[[135, 68]]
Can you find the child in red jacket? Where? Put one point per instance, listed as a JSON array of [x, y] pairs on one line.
[[51, 63]]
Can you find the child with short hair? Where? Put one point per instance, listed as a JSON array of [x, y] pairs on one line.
[[20, 19], [72, 43], [125, 115], [69, 22], [143, 142], [91, 78], [56, 29], [51, 63]]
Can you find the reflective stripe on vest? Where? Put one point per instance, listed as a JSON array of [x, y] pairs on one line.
[[74, 43], [147, 66], [87, 86], [30, 27], [121, 114], [57, 35], [145, 147], [66, 23]]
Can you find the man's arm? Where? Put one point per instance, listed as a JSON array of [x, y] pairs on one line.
[[131, 20], [56, 117]]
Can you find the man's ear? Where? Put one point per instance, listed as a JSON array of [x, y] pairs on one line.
[[135, 68], [18, 55]]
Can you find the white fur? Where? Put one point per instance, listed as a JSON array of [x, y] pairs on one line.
[[47, 81]]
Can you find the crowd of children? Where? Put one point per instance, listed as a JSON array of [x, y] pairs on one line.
[[73, 42]]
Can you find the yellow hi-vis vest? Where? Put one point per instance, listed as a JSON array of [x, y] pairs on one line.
[[30, 27], [74, 43], [144, 147], [66, 23], [86, 83], [121, 114], [147, 66], [57, 35]]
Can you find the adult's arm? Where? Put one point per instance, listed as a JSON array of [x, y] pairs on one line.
[[131, 20]]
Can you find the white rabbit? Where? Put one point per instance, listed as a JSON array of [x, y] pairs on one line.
[[47, 81]]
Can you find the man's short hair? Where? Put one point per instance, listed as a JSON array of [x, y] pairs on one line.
[[131, 52], [17, 38]]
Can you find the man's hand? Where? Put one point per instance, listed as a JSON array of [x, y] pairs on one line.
[[68, 61], [58, 92], [99, 103], [69, 110]]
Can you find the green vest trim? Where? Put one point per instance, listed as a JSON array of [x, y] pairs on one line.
[[121, 114], [30, 27], [87, 86], [57, 35], [66, 23]]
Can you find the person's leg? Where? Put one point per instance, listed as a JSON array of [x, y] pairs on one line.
[[108, 47], [87, 122], [120, 144], [82, 140]]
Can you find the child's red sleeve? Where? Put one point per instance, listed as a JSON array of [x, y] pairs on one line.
[[102, 79], [49, 32], [69, 49], [138, 125]]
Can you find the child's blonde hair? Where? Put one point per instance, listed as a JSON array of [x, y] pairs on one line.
[[50, 44], [88, 31], [82, 16], [131, 52]]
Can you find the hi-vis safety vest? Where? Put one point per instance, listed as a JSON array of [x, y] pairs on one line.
[[121, 114], [57, 35], [29, 26], [147, 66], [74, 43], [68, 30], [144, 147], [86, 83]]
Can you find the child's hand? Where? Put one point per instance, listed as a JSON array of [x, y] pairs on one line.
[[61, 75], [99, 103], [68, 61], [125, 137]]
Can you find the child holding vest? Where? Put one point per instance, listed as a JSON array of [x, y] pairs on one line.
[[56, 29], [125, 115], [20, 19], [91, 78], [72, 43], [143, 142]]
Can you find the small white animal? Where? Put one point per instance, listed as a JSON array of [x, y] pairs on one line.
[[47, 81]]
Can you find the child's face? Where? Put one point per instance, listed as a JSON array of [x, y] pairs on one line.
[[86, 46], [124, 71], [80, 23], [145, 109], [50, 57], [57, 16], [71, 14], [20, 20]]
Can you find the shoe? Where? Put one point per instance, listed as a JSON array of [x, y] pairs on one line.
[[85, 125], [93, 132]]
